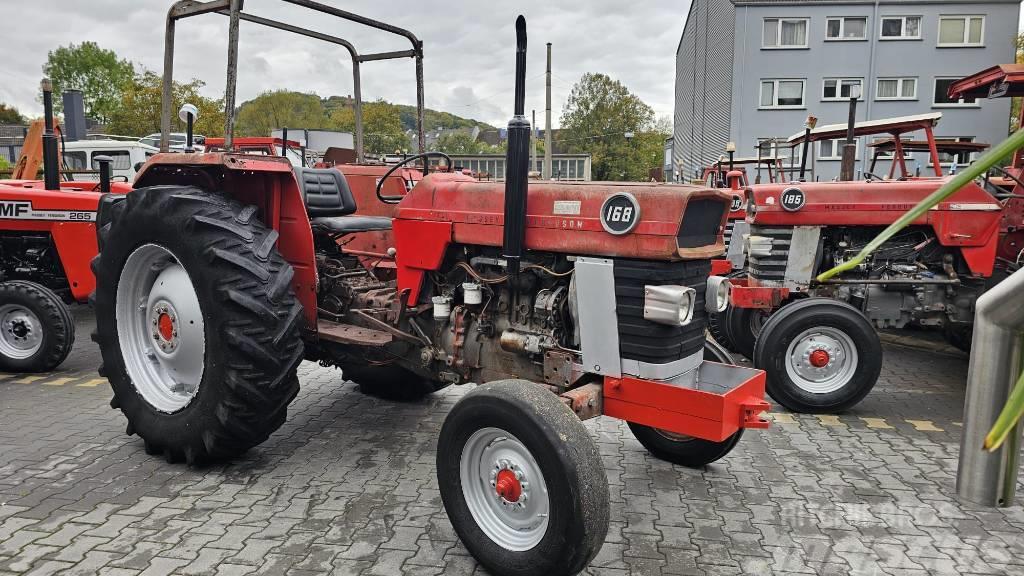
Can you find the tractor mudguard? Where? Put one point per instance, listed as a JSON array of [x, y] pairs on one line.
[[266, 182]]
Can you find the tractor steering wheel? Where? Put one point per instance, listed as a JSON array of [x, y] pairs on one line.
[[1006, 173], [870, 176], [403, 162]]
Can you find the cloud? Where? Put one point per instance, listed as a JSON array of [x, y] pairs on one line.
[[469, 49]]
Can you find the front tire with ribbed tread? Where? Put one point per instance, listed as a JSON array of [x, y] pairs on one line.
[[251, 315], [53, 320]]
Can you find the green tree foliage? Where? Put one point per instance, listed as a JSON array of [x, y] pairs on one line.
[[382, 127], [596, 119], [280, 109], [139, 111], [10, 115], [461, 143], [98, 73], [1015, 105]]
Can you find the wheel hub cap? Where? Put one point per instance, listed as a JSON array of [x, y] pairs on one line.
[[165, 324], [508, 487], [819, 358], [21, 333], [504, 489]]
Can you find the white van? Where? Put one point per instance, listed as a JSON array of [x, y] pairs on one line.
[[126, 155]]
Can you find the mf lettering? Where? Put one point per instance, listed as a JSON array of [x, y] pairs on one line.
[[14, 209]]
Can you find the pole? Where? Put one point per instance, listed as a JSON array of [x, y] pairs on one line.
[[533, 142], [357, 107], [166, 101], [849, 147], [546, 172], [803, 153], [997, 356], [229, 91]]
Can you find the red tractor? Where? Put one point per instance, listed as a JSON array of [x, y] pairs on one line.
[[816, 340], [220, 272], [47, 237]]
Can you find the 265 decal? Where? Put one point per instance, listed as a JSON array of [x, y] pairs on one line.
[[23, 210]]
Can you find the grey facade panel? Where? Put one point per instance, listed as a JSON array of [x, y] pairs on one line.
[[704, 70]]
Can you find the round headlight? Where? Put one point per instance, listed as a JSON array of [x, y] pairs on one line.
[[686, 307], [722, 296]]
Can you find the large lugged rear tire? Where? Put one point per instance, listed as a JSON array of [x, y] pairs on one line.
[[196, 321], [686, 450], [522, 481], [820, 356], [391, 382], [36, 328]]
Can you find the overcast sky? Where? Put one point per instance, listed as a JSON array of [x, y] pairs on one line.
[[469, 49]]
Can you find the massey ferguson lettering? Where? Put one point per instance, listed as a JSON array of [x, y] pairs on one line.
[[22, 210]]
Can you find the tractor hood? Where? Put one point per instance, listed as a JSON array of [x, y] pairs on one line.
[[610, 219], [966, 218]]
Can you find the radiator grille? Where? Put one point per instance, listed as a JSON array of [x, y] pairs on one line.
[[772, 268]]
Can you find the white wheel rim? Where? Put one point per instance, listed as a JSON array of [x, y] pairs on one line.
[[160, 327], [21, 332], [821, 360], [518, 524]]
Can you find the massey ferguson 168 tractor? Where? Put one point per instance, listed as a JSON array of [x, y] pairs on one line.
[[220, 272], [47, 237], [818, 344]]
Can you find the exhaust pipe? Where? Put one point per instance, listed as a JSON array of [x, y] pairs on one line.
[[517, 159], [51, 163]]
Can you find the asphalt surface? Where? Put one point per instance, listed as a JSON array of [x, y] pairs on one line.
[[347, 486]]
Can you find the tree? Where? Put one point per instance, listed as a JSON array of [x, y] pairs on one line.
[[382, 127], [460, 143], [139, 112], [98, 73], [603, 118], [10, 115], [279, 109]]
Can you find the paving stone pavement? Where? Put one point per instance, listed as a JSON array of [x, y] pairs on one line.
[[347, 487]]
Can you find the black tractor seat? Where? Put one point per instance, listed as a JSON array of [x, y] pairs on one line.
[[348, 224]]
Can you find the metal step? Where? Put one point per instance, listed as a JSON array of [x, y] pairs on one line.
[[349, 334]]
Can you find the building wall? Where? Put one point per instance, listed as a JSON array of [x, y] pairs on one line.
[[704, 71], [869, 59]]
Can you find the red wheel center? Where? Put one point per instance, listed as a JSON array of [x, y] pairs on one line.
[[819, 358], [166, 326], [507, 486]]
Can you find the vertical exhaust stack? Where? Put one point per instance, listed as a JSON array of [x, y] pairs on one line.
[[517, 163], [51, 163]]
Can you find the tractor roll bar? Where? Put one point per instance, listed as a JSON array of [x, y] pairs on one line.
[[997, 356], [233, 9]]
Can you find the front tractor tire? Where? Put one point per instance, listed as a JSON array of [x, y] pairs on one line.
[[742, 327], [522, 481], [686, 450], [196, 321], [820, 356], [36, 328]]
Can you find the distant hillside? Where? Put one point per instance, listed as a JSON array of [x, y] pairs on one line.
[[431, 118]]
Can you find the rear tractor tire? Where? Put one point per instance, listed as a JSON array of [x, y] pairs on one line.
[[391, 382], [196, 321], [36, 328], [820, 356], [742, 327], [522, 481], [686, 450]]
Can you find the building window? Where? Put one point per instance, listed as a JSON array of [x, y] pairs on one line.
[[896, 89], [782, 93], [961, 30], [960, 158], [833, 149], [842, 89], [942, 99], [785, 33], [901, 28], [846, 28]]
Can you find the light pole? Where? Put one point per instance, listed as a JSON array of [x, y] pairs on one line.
[[850, 146]]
